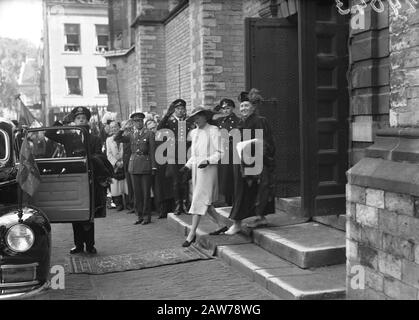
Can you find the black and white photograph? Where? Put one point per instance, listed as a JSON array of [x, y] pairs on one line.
[[211, 157]]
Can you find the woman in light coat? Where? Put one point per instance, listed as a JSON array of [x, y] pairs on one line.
[[206, 151], [114, 153]]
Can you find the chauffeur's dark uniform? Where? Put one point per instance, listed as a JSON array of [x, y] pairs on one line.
[[225, 169], [84, 232], [141, 164], [179, 185]]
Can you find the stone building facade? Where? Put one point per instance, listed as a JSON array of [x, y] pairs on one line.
[[382, 191], [188, 49]]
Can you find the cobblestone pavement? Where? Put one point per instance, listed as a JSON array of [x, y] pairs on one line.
[[116, 234]]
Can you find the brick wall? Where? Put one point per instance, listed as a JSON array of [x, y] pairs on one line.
[[178, 53], [126, 75], [383, 237], [404, 60], [369, 80], [151, 80]]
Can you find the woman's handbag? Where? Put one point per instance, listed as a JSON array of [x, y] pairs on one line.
[[119, 173]]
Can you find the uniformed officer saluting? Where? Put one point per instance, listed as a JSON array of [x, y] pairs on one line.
[[142, 164], [172, 121], [84, 232]]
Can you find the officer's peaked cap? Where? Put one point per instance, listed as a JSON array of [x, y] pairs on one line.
[[81, 110]]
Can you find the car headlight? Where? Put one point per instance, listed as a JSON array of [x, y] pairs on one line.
[[20, 238]]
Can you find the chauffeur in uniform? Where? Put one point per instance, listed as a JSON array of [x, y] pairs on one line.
[[84, 232], [142, 164], [171, 121]]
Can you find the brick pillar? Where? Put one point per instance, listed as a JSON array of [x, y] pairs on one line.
[[150, 44], [217, 51]]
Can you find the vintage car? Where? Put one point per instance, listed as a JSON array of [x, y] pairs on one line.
[[65, 194]]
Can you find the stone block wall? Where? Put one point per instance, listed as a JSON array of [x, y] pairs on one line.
[[178, 53], [404, 61], [382, 235]]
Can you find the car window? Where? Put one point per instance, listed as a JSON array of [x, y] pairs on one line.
[[52, 143], [4, 146]]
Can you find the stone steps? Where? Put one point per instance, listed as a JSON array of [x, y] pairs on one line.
[[283, 278]]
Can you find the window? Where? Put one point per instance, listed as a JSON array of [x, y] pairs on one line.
[[73, 77], [102, 80], [4, 146], [102, 38], [72, 37]]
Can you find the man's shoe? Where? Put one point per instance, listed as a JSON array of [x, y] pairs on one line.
[[91, 250], [139, 221], [76, 250], [258, 222], [146, 221], [219, 231]]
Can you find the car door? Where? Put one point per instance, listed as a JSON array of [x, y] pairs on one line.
[[62, 156]]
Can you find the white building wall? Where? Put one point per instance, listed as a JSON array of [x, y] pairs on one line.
[[87, 59]]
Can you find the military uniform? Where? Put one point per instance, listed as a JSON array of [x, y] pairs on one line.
[[180, 129], [141, 165], [225, 170]]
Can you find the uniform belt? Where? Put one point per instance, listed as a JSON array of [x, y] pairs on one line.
[[140, 153]]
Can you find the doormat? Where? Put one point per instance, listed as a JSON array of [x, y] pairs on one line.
[[134, 261]]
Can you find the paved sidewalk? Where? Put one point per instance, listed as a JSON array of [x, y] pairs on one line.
[[116, 234]]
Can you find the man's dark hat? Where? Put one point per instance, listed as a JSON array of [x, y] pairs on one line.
[[178, 103], [244, 96], [137, 115], [201, 109], [81, 110]]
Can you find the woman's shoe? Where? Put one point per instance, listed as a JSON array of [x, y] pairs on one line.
[[219, 231], [188, 243], [233, 230]]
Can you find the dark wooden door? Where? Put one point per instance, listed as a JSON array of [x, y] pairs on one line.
[[272, 67], [324, 106]]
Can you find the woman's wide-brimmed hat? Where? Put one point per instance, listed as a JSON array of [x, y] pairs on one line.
[[209, 113]]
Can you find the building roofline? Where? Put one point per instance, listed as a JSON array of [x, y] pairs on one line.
[[143, 20]]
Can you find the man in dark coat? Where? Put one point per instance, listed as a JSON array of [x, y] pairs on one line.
[[175, 120], [142, 164], [228, 121], [74, 145]]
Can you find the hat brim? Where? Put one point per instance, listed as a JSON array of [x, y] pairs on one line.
[[208, 113]]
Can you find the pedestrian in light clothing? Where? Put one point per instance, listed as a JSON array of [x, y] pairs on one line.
[[142, 165], [114, 152], [206, 151]]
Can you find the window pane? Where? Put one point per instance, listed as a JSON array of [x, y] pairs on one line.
[[3, 151], [101, 72], [102, 85], [102, 30], [102, 41], [72, 39], [72, 29], [57, 144], [74, 86], [73, 72]]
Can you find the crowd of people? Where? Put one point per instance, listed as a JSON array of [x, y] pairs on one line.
[[199, 150]]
